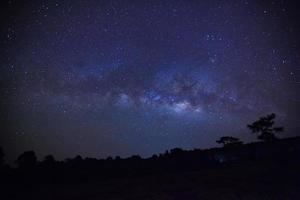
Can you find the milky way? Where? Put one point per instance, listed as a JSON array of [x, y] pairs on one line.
[[101, 78]]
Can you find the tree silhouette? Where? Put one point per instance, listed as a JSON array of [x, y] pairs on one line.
[[264, 128], [176, 151], [229, 141], [27, 160], [78, 158], [49, 159]]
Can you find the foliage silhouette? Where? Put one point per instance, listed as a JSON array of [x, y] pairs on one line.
[[77, 158], [176, 151], [27, 160], [229, 141], [264, 128], [49, 160]]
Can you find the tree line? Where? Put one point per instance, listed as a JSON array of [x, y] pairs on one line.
[[263, 128]]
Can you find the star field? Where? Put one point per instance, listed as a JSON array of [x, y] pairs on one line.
[[101, 78]]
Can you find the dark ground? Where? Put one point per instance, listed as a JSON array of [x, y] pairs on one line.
[[258, 171], [246, 181]]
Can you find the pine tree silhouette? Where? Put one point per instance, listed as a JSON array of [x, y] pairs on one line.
[[264, 128]]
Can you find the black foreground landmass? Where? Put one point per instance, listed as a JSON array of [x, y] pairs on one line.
[[261, 170]]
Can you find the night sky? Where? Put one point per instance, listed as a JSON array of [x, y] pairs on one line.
[[107, 78]]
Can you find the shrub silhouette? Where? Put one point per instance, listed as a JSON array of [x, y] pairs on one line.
[[229, 141], [264, 128], [176, 152], [49, 159], [27, 160], [78, 158], [135, 158]]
